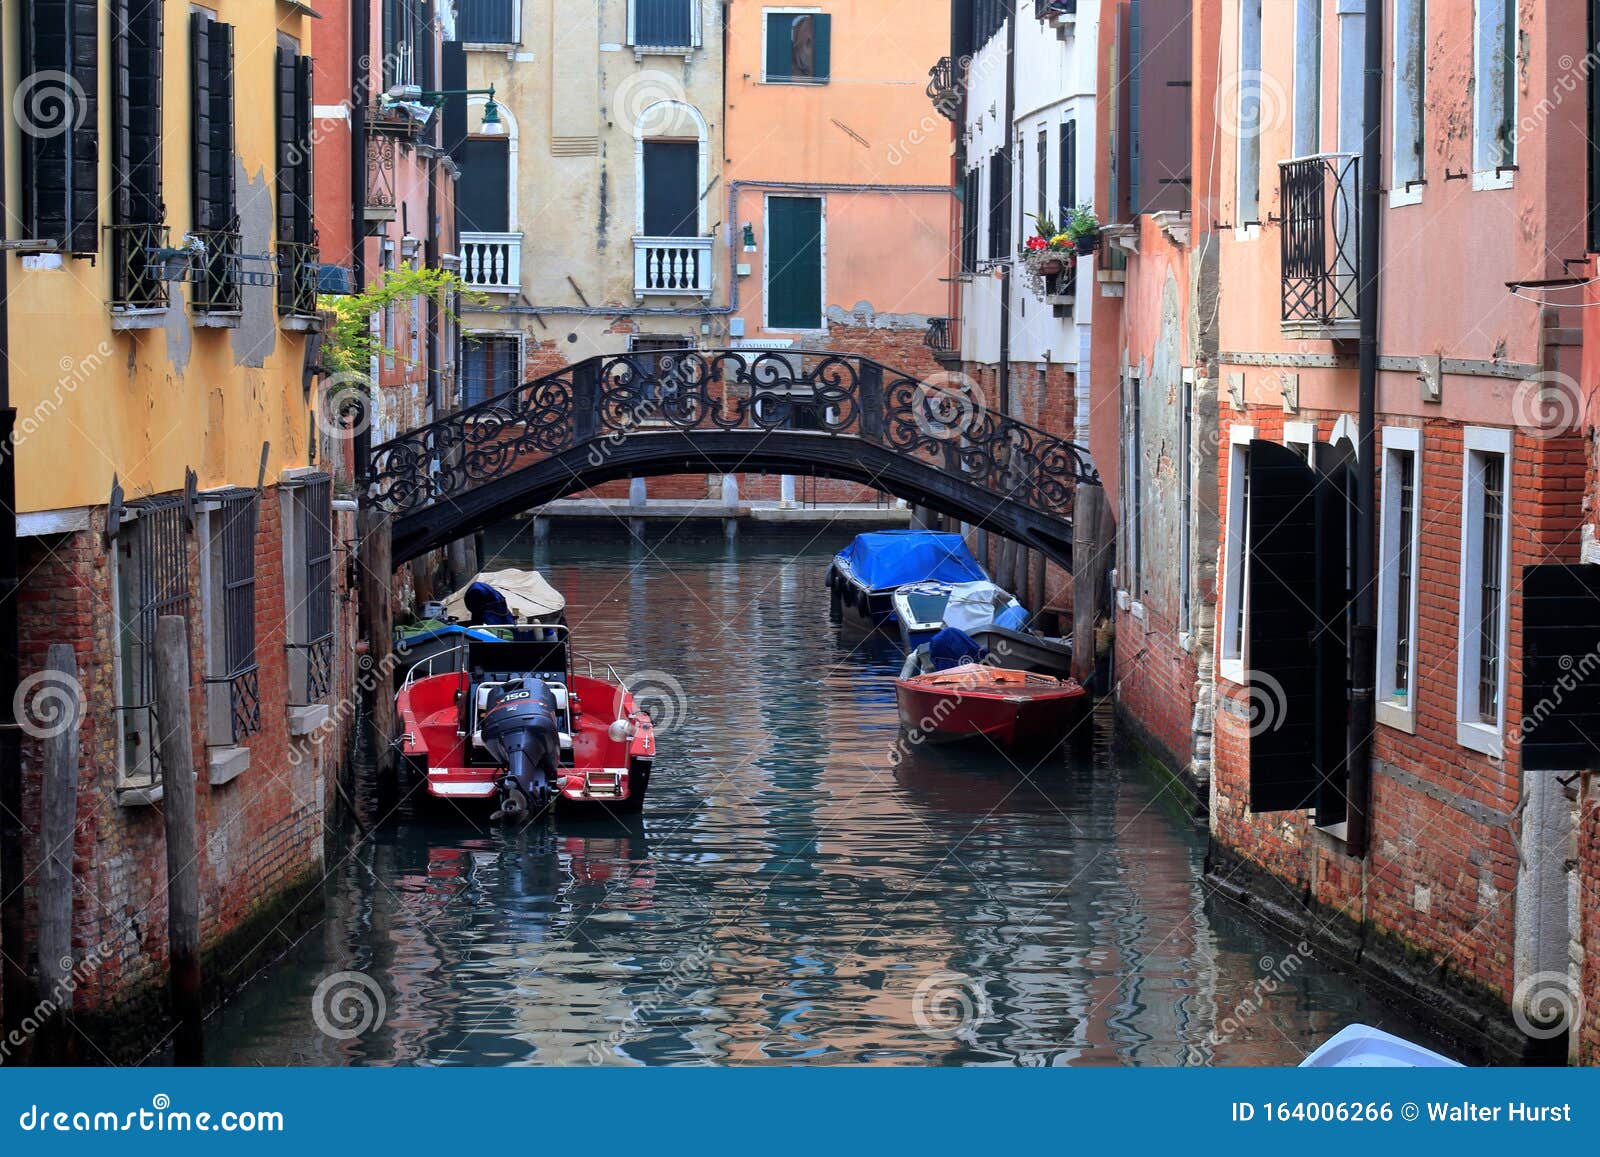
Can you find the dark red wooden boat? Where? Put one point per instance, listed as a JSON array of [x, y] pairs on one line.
[[1014, 709], [508, 719]]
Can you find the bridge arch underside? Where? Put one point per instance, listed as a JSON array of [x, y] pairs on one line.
[[728, 452]]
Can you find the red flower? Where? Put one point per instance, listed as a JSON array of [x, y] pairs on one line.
[[1037, 244]]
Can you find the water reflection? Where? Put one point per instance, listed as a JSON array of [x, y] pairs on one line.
[[798, 890]]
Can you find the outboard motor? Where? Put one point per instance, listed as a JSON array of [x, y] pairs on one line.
[[521, 729]]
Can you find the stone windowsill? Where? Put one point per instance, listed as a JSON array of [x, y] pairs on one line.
[[123, 320], [305, 720], [226, 764], [217, 320], [300, 323], [140, 796]]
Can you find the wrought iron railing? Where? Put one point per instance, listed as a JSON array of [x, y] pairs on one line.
[[215, 274], [944, 88], [381, 203], [606, 400], [244, 701], [298, 266], [138, 279], [939, 338], [1321, 238]]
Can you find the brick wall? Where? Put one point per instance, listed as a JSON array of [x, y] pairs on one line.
[[261, 835], [1588, 849], [1441, 875]]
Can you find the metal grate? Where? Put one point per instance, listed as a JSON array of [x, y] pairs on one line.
[[1321, 238], [153, 580], [137, 276], [297, 278], [1406, 464], [315, 499], [1493, 481], [216, 272], [234, 557]]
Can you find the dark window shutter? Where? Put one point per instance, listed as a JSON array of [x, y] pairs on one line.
[[780, 46], [287, 94], [1069, 170], [212, 79], [136, 136], [60, 170], [305, 207], [1000, 206], [794, 262], [671, 189], [822, 46], [1560, 725], [453, 69], [481, 194], [1297, 604]]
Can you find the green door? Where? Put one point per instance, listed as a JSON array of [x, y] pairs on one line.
[[794, 262]]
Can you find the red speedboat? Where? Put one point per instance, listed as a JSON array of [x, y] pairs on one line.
[[1013, 708], [509, 720]]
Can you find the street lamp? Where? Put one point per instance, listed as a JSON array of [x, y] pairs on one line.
[[492, 126]]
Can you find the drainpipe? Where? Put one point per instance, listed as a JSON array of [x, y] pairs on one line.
[[14, 983], [1016, 197], [1364, 637], [361, 75]]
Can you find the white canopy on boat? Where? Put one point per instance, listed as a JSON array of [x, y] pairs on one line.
[[527, 596], [973, 606]]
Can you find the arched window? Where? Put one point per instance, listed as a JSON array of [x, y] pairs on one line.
[[670, 169]]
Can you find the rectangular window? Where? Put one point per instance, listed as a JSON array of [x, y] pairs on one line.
[[1067, 172], [228, 585], [487, 22], [1248, 211], [491, 365], [1399, 549], [794, 263], [405, 35], [1135, 103], [988, 18], [137, 210], [1042, 176], [60, 56], [216, 219], [1000, 206], [307, 507], [1186, 473], [1410, 82], [971, 218], [151, 576], [664, 24], [1235, 557], [1132, 488], [1485, 556], [1494, 143], [297, 254], [799, 47], [1593, 87], [1307, 77], [671, 189], [483, 193]]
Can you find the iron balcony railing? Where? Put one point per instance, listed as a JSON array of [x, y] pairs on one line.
[[217, 261], [381, 203], [492, 262], [1321, 240], [939, 337], [138, 277], [944, 88], [298, 273]]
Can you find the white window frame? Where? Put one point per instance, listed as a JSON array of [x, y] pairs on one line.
[[766, 260], [696, 34], [1307, 77], [516, 30], [508, 122], [1186, 475], [1130, 565], [646, 129], [1486, 175], [1247, 178], [1477, 442], [1407, 136], [1302, 437], [1235, 608], [125, 774], [765, 12], [1398, 440], [471, 333]]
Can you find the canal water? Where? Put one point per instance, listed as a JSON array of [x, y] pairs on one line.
[[801, 889]]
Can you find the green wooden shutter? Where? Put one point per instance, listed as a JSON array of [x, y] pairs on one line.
[[823, 49], [794, 262], [780, 46]]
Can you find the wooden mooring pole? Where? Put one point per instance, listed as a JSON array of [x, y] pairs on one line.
[[58, 826], [1092, 534], [377, 619], [178, 810]]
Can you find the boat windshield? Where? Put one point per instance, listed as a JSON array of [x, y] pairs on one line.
[[927, 606]]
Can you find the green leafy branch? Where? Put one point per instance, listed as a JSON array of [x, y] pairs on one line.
[[350, 345]]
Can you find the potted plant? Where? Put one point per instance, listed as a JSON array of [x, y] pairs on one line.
[[1045, 254], [1083, 227]]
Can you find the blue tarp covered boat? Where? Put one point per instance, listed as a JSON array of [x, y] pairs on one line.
[[865, 574]]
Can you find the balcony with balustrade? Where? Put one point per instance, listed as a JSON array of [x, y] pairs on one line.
[[672, 267], [491, 262], [1321, 246]]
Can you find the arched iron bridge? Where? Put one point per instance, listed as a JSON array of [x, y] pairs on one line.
[[805, 412]]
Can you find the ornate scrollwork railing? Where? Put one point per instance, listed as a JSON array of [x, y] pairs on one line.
[[606, 400]]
